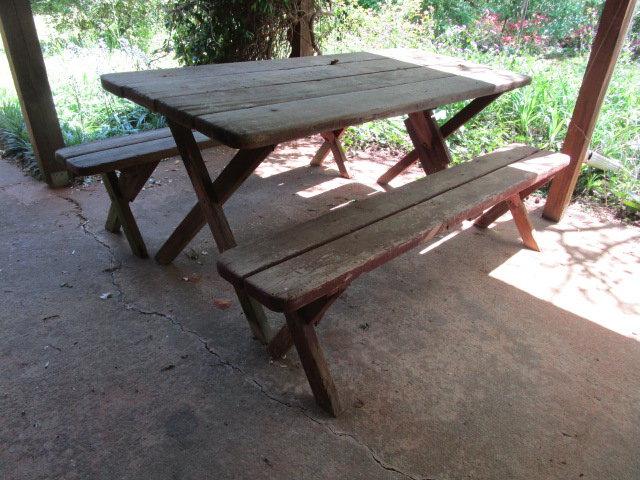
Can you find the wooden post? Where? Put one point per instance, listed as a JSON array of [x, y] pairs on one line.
[[301, 34], [610, 36], [30, 77]]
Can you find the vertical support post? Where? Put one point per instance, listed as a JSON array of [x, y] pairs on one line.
[[32, 85], [612, 28], [301, 36]]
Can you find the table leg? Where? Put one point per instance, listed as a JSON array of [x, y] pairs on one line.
[[210, 202], [428, 141], [450, 127], [332, 144], [232, 177]]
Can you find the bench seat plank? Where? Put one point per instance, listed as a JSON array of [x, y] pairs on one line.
[[113, 142], [299, 280], [120, 153], [269, 250]]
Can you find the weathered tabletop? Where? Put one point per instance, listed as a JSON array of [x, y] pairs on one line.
[[254, 104]]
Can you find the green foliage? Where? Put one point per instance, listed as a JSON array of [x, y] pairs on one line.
[[352, 27], [112, 21], [215, 31], [14, 138]]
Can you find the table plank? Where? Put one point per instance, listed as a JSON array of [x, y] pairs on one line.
[[113, 81], [253, 104], [189, 107], [277, 123]]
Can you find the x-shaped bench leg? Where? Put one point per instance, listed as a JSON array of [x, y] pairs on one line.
[[518, 212], [332, 144], [491, 215], [424, 130], [301, 324], [282, 341], [210, 200], [130, 181], [120, 205]]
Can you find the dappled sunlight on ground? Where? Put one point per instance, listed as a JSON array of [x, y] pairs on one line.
[[365, 167], [470, 354], [590, 269]]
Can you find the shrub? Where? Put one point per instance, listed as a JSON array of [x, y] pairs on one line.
[[86, 21], [215, 31]]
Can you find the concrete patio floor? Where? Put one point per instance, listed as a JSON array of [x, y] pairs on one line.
[[467, 359]]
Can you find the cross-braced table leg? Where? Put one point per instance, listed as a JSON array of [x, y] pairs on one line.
[[210, 201], [332, 144], [232, 177], [428, 141], [457, 121]]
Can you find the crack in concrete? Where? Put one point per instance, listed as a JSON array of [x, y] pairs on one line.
[[112, 270], [11, 185]]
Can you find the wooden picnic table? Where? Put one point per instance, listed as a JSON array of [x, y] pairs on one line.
[[254, 106]]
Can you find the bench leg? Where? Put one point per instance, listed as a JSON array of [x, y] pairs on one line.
[[494, 213], [210, 200], [282, 341], [302, 327], [131, 181], [121, 206], [332, 144], [243, 164], [520, 217]]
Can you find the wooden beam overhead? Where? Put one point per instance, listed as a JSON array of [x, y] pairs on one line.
[[610, 36], [32, 85]]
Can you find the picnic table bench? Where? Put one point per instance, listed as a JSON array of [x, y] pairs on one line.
[[135, 156], [254, 106], [301, 270]]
